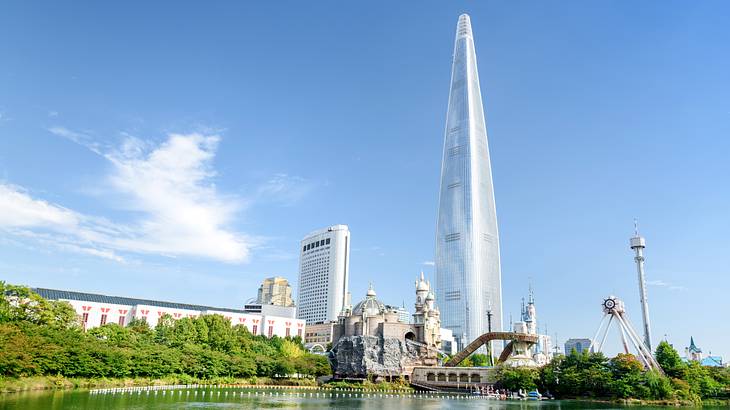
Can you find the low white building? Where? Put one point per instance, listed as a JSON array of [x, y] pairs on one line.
[[97, 310], [448, 343]]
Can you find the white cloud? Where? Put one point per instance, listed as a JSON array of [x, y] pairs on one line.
[[657, 282], [662, 284], [18, 209], [285, 189], [178, 210], [171, 185], [77, 137]]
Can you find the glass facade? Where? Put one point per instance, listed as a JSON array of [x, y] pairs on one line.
[[468, 276]]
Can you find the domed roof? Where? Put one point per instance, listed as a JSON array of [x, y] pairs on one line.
[[430, 296], [421, 284], [370, 305]]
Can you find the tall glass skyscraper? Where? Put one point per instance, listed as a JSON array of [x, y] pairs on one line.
[[468, 276]]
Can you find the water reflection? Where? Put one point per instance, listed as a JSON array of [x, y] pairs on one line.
[[240, 398]]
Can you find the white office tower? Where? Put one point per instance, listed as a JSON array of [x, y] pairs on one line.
[[468, 276], [324, 270]]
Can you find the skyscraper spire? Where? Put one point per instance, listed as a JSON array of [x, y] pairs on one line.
[[468, 276]]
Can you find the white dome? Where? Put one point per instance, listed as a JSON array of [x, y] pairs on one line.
[[421, 284], [370, 305]]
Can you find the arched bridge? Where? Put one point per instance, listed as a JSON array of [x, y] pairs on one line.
[[488, 337]]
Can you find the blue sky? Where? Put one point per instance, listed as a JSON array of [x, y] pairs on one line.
[[180, 151]]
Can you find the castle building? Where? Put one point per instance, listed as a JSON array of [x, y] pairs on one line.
[[524, 354], [372, 338], [694, 353]]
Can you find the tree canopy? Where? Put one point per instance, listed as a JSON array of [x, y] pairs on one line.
[[41, 337]]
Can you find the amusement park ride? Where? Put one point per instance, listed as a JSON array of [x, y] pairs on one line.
[[614, 310]]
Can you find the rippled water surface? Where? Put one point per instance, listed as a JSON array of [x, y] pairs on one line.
[[239, 398]]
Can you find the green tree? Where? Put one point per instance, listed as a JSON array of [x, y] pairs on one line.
[[700, 380], [479, 360], [164, 330], [184, 332], [660, 387], [40, 337], [669, 360], [628, 376], [16, 352], [220, 333], [113, 333], [520, 378]]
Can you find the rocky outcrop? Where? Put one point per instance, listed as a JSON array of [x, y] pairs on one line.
[[360, 356]]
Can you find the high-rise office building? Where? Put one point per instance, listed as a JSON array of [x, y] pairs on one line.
[[578, 344], [324, 269], [275, 291], [468, 276]]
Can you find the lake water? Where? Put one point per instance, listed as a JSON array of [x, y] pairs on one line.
[[242, 398]]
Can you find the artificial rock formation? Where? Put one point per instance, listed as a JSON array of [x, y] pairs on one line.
[[369, 339], [361, 356]]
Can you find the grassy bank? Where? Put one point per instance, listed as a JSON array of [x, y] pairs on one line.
[[10, 385]]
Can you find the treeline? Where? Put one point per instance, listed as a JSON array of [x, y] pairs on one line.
[[42, 337], [593, 375]]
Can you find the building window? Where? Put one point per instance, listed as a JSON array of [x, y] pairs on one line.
[[327, 241], [84, 319], [271, 331], [255, 328], [288, 331], [299, 332], [121, 321], [103, 319]]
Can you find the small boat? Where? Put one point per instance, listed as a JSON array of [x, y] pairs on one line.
[[534, 395]]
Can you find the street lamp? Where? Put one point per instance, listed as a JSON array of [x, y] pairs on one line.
[[489, 328]]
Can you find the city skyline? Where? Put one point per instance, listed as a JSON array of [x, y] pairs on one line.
[[599, 114], [468, 276]]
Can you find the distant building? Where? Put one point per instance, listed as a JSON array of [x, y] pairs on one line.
[[448, 343], [578, 344], [694, 353], [97, 310], [318, 337], [275, 291], [271, 310], [404, 316], [324, 269]]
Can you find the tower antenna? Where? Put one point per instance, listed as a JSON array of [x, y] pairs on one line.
[[638, 244]]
